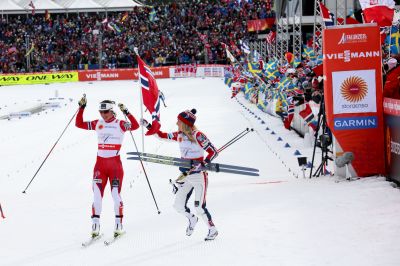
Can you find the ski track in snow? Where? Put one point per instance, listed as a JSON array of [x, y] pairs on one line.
[[278, 218]]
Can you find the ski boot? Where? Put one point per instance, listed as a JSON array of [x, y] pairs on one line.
[[118, 230], [95, 230], [192, 223], [212, 233]]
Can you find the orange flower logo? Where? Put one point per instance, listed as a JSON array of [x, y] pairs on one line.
[[101, 127], [354, 89]]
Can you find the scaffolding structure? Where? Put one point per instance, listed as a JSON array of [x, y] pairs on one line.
[[318, 27], [282, 34], [297, 8], [341, 11]]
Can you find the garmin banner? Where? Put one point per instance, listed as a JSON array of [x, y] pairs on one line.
[[353, 94]]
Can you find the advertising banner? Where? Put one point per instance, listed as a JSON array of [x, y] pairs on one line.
[[353, 95], [38, 78], [260, 24], [392, 118], [119, 74]]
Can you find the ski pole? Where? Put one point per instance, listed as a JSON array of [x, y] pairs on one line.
[[1, 212], [234, 138], [144, 170], [50, 151], [241, 135]]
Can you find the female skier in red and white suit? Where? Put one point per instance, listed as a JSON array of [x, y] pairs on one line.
[[192, 143], [110, 132]]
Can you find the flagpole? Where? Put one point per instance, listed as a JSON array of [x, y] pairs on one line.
[[141, 98], [390, 41]]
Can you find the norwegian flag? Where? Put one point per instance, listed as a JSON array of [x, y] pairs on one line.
[[327, 16], [290, 114], [308, 116], [150, 95]]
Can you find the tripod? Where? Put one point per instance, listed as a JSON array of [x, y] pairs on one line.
[[325, 142]]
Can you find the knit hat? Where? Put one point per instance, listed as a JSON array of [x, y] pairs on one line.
[[188, 117]]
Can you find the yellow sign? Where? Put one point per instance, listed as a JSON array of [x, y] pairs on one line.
[[39, 78]]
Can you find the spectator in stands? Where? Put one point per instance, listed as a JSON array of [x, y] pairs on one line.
[[71, 41]]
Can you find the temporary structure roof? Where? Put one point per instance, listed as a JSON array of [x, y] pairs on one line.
[[7, 5], [58, 6], [79, 4]]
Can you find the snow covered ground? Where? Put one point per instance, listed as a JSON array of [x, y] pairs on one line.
[[274, 219]]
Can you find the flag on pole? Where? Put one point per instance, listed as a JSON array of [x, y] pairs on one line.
[[393, 40], [152, 15], [327, 16], [124, 16], [33, 8], [112, 26], [47, 15], [228, 54], [30, 50], [378, 11], [308, 116], [245, 47], [150, 94]]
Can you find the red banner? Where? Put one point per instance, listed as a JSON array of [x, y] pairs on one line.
[[119, 74], [260, 24], [353, 95]]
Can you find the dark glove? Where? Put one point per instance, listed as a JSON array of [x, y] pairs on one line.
[[144, 123], [123, 109], [82, 102], [175, 186]]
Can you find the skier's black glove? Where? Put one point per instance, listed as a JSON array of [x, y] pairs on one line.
[[144, 123], [82, 102], [174, 186], [123, 109]]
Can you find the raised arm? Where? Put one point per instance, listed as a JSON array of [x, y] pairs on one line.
[[88, 125], [133, 122]]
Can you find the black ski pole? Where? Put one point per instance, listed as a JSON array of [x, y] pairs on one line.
[[247, 129], [241, 135], [144, 170], [50, 151]]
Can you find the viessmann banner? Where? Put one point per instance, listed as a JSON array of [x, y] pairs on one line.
[[353, 94], [120, 74]]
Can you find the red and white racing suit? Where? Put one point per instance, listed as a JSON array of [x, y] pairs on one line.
[[108, 165], [197, 180]]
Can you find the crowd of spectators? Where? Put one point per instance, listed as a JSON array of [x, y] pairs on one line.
[[183, 32]]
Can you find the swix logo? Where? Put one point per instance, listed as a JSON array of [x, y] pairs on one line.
[[353, 38], [347, 55]]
